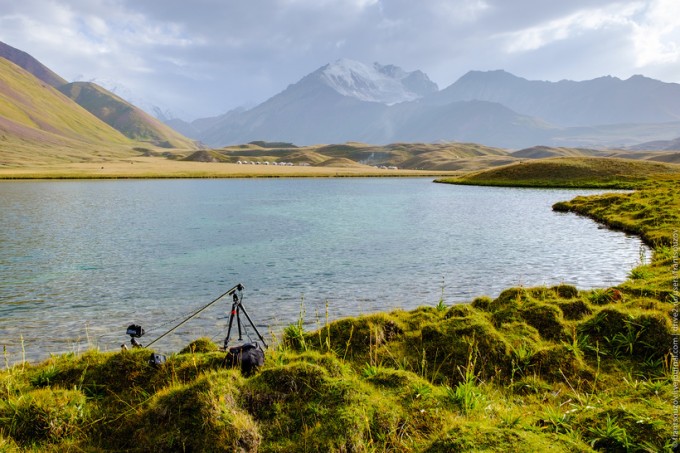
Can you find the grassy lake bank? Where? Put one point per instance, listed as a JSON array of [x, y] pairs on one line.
[[571, 172], [534, 369]]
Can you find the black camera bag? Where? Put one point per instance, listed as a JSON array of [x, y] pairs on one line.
[[156, 360], [249, 356]]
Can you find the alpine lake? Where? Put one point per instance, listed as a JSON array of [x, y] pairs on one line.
[[81, 260]]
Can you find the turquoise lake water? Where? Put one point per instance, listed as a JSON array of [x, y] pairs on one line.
[[80, 260]]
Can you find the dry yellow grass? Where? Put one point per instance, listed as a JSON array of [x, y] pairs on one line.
[[158, 167]]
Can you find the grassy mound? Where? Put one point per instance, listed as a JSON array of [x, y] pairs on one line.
[[340, 162], [205, 156], [542, 152], [533, 369], [567, 172]]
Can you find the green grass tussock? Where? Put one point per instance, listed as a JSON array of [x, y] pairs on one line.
[[532, 369], [200, 345], [484, 438], [44, 415], [202, 413]]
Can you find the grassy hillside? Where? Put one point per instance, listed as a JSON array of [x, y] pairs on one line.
[[463, 157], [543, 152], [31, 65], [340, 162], [205, 156], [124, 117], [531, 369], [39, 125], [30, 108], [570, 172], [414, 156]]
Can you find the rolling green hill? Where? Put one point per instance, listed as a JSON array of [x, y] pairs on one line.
[[570, 172], [31, 111], [124, 117], [542, 152], [44, 119], [429, 156], [30, 64]]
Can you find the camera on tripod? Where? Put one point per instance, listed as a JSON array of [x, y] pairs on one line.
[[135, 331], [248, 356]]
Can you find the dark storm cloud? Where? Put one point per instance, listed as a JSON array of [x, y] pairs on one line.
[[204, 57]]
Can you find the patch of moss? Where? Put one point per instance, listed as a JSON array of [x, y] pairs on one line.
[[574, 310], [520, 332], [620, 429], [565, 291], [301, 406], [353, 338], [483, 438], [530, 385], [7, 444], [414, 320], [557, 362], [391, 378], [199, 416], [200, 345], [604, 324], [102, 374], [653, 335], [44, 415], [510, 297], [448, 346], [482, 303], [460, 311], [544, 318], [642, 334]]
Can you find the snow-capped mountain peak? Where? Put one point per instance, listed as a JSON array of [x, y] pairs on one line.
[[386, 84]]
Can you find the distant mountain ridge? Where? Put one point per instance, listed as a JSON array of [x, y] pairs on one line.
[[658, 145], [604, 100], [386, 84], [350, 101]]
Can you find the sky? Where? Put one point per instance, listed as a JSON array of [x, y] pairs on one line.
[[201, 58]]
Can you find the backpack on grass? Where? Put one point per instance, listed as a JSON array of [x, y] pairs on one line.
[[249, 356]]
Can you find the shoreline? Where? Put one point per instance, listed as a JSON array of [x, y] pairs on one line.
[[155, 168]]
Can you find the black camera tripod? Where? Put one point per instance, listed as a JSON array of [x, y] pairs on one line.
[[136, 331], [236, 308]]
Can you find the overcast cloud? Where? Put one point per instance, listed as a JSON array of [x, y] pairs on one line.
[[204, 57]]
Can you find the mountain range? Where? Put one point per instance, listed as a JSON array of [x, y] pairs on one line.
[[351, 101]]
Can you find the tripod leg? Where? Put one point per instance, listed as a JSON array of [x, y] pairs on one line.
[[255, 328], [231, 321], [238, 322]]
